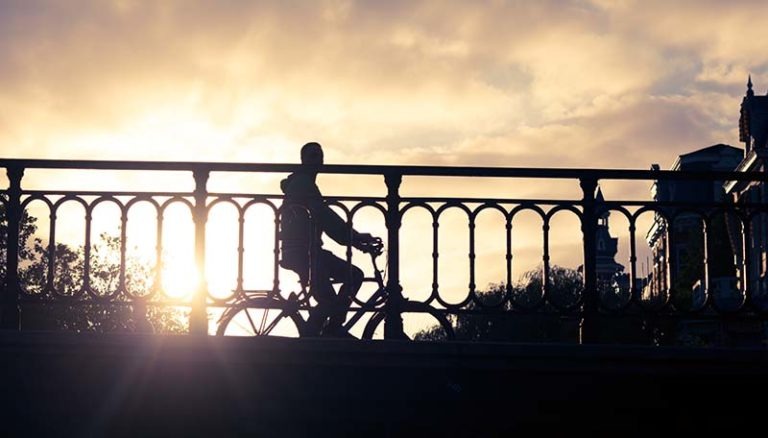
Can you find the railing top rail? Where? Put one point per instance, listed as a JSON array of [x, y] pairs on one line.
[[456, 171]]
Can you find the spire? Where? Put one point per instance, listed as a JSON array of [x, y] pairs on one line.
[[602, 211], [599, 198], [745, 116]]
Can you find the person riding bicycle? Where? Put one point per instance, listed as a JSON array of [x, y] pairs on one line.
[[305, 217]]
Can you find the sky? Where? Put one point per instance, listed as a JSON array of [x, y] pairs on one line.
[[592, 83], [503, 83]]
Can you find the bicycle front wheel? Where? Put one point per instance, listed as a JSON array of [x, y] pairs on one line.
[[260, 317], [445, 328]]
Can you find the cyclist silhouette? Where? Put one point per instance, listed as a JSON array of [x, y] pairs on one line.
[[305, 217]]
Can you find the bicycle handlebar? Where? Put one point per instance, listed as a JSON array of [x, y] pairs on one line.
[[373, 246]]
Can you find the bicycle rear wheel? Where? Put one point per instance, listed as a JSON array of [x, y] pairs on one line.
[[260, 317]]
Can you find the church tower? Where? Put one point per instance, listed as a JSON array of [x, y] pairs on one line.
[[753, 120], [606, 245]]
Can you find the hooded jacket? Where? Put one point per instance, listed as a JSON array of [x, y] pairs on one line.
[[305, 216]]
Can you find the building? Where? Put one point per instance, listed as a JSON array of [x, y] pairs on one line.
[[606, 245], [682, 261], [753, 132], [612, 281]]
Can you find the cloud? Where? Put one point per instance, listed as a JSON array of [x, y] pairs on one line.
[[551, 84], [576, 84]]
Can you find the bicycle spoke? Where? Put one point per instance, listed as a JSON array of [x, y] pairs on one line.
[[250, 320], [238, 327], [264, 321]]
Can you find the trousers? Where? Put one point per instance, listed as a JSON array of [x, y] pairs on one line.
[[331, 311]]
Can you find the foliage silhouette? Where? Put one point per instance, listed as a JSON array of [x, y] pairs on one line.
[[71, 309], [539, 324]]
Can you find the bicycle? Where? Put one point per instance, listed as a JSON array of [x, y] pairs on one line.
[[253, 305]]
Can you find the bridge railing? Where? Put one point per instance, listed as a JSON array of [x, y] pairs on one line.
[[692, 275]]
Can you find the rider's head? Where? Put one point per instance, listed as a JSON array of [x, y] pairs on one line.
[[312, 154]]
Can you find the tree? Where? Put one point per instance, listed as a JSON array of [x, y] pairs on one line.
[[83, 312], [26, 231], [500, 324], [557, 320]]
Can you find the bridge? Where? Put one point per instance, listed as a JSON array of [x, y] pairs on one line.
[[573, 370]]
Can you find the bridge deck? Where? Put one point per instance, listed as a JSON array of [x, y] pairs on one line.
[[137, 385]]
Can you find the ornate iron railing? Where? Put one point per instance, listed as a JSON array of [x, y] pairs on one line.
[[737, 292]]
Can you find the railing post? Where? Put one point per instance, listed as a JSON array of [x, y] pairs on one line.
[[10, 315], [393, 326], [588, 332], [198, 318]]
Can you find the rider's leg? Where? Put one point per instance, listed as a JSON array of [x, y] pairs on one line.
[[297, 260], [352, 278], [323, 292]]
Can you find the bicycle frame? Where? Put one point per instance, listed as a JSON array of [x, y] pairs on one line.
[[291, 306], [369, 305]]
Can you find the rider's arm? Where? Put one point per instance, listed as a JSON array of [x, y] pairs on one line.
[[336, 227], [327, 219]]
